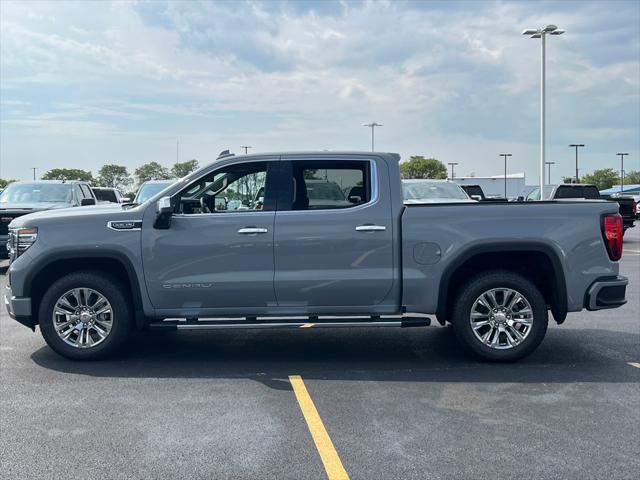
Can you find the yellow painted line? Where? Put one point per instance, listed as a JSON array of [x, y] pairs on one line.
[[634, 364], [307, 325], [330, 459]]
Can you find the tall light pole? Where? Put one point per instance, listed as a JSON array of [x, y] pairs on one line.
[[505, 156], [577, 145], [549, 175], [372, 126], [542, 34], [246, 148], [34, 172], [621, 155], [452, 164]]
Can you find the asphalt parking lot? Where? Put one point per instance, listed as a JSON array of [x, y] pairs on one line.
[[394, 403]]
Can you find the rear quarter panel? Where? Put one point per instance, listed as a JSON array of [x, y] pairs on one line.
[[435, 237]]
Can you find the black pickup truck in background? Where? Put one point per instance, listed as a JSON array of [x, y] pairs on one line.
[[475, 192], [627, 205], [22, 198]]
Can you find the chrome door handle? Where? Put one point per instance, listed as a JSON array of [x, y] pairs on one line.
[[370, 228], [252, 230]]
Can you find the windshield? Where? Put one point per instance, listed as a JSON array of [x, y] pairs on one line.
[[148, 190], [37, 193], [535, 193], [432, 190]]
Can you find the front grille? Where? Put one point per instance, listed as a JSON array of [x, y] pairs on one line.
[[5, 220]]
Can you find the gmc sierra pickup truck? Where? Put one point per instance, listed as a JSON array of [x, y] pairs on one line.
[[493, 270]]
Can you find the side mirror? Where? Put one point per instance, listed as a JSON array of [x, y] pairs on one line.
[[87, 201], [354, 199], [521, 198], [125, 200], [163, 213], [476, 197]]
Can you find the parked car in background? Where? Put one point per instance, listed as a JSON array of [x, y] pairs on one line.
[[150, 188], [22, 198], [627, 207], [109, 195], [476, 193], [633, 195], [433, 191], [174, 262]]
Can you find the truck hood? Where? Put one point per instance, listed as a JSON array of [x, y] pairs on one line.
[[114, 211]]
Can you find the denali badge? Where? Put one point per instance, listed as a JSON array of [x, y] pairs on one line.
[[187, 285]]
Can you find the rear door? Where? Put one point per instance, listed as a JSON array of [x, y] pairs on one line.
[[333, 235]]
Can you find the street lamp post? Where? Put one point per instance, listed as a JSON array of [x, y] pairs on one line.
[[505, 156], [372, 126], [621, 155], [549, 174], [452, 164], [577, 145], [246, 148], [542, 34], [34, 172]]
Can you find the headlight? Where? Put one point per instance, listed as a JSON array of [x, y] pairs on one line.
[[20, 239]]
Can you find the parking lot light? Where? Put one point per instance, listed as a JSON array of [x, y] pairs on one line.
[[452, 164], [542, 33], [505, 156], [621, 155], [372, 126], [576, 146]]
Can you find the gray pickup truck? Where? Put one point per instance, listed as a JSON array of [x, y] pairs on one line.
[[493, 270]]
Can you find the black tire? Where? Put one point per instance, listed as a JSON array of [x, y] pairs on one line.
[[484, 282], [106, 285]]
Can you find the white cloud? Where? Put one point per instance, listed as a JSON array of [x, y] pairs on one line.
[[457, 81]]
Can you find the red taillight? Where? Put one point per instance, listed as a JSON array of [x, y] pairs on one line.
[[634, 208], [613, 232]]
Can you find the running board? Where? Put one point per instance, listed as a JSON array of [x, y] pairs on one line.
[[191, 324]]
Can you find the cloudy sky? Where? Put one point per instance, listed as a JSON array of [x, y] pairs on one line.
[[88, 83]]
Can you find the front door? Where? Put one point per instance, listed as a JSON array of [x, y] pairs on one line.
[[334, 239], [218, 251]]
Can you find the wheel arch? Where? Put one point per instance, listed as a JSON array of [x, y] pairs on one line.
[[534, 260], [57, 266]]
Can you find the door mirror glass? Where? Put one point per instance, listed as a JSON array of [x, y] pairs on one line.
[[163, 213]]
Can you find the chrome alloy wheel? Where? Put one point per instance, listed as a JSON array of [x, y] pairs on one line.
[[501, 318], [82, 317]]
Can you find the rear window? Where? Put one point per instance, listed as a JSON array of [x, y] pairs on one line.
[[106, 195], [323, 185], [569, 192], [591, 192]]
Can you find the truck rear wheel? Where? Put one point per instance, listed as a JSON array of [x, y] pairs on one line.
[[500, 316], [85, 315]]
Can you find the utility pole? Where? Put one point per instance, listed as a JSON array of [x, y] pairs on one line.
[[177, 150], [453, 164], [246, 148], [34, 172], [577, 145], [542, 33], [621, 155], [505, 156], [549, 175], [372, 126]]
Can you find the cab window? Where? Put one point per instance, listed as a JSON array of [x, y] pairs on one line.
[[235, 188]]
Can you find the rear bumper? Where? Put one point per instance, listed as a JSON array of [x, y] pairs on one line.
[[19, 308], [607, 292]]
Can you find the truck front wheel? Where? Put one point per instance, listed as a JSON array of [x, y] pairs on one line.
[[500, 316], [85, 315]]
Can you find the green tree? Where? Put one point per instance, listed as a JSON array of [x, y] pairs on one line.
[[632, 177], [420, 167], [114, 176], [603, 178], [4, 182], [151, 171], [68, 174], [182, 169]]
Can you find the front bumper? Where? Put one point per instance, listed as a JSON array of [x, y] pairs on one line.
[[606, 292], [4, 253], [19, 308]]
